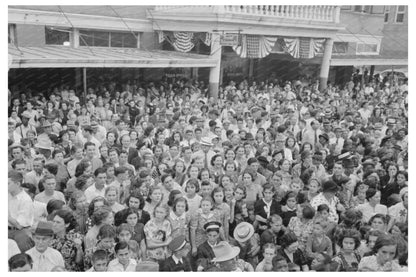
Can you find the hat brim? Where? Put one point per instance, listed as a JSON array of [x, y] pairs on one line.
[[250, 234], [230, 255]]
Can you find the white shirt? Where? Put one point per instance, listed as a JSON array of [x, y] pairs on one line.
[[13, 248], [42, 197], [91, 192], [46, 261], [21, 208], [115, 265], [398, 212]]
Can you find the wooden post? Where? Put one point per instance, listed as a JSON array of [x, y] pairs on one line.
[[84, 94]]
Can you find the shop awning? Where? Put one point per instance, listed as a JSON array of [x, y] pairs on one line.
[[65, 56]]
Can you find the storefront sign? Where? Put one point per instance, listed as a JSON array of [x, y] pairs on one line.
[[229, 40]]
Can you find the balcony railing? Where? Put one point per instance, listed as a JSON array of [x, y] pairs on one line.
[[310, 13]]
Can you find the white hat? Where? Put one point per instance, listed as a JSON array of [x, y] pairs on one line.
[[224, 252], [206, 141], [243, 232]]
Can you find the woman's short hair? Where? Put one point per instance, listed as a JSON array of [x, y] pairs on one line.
[[138, 195], [350, 233], [68, 218], [287, 239], [106, 231], [308, 212], [385, 240], [20, 260], [180, 199], [163, 206], [74, 198], [193, 182], [100, 214], [91, 206]]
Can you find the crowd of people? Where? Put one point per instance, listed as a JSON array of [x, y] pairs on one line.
[[161, 176]]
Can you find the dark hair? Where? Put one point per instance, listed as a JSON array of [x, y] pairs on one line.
[[106, 231], [276, 259], [99, 255], [384, 240], [16, 162], [171, 197], [138, 195], [308, 212], [180, 199], [287, 239], [20, 260], [289, 194], [383, 217], [92, 204], [100, 170], [31, 187], [74, 197], [323, 207], [120, 246], [81, 167], [194, 182], [68, 217], [53, 205], [350, 233], [52, 168], [99, 215]]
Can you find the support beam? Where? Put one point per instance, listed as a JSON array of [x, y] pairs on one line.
[[326, 61], [84, 93], [215, 72]]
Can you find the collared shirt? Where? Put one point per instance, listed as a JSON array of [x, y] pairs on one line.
[[91, 192], [176, 260], [46, 261], [42, 197], [115, 265], [21, 208]]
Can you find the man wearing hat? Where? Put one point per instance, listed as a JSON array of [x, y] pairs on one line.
[[206, 153], [327, 196], [25, 126], [178, 261], [248, 241], [205, 254], [44, 257], [226, 258]]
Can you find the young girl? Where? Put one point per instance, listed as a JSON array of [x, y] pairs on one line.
[[253, 191], [154, 198], [179, 218], [204, 215], [269, 251], [302, 224], [111, 194], [131, 218], [105, 241], [124, 233], [322, 213], [222, 207], [136, 202], [347, 258], [231, 171], [192, 196], [158, 233], [318, 242], [289, 203], [238, 207]]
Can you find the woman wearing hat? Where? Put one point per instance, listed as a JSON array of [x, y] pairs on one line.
[[226, 258]]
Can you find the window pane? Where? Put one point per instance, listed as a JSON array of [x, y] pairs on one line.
[[401, 8], [129, 40], [358, 8], [340, 47], [55, 37], [400, 17], [360, 47], [86, 38], [101, 39], [116, 40], [370, 48], [386, 17]]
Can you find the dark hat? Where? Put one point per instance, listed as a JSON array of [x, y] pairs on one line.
[[317, 156], [212, 123], [262, 159], [275, 152], [44, 228], [88, 128], [212, 226], [347, 163], [325, 136], [249, 136], [177, 243], [305, 154], [345, 155], [369, 162], [329, 186]]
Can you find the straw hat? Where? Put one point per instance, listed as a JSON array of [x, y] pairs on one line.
[[243, 232], [224, 252], [206, 142]]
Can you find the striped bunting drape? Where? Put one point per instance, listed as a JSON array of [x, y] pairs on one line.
[[184, 41], [305, 48], [254, 46]]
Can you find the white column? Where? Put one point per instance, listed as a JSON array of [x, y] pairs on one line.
[[214, 73], [75, 38], [323, 76]]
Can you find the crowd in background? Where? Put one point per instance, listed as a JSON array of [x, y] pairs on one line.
[[268, 176]]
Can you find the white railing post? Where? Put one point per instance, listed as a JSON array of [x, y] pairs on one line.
[[337, 11]]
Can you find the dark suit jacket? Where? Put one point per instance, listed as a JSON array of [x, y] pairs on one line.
[[204, 255], [170, 265]]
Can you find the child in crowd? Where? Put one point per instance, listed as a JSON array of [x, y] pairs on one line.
[[269, 252], [99, 261]]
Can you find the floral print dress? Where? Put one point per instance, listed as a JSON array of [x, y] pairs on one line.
[[159, 233], [67, 247]]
